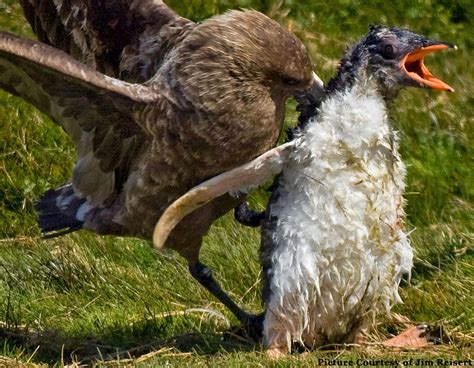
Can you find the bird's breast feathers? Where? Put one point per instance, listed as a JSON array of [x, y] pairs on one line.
[[339, 221]]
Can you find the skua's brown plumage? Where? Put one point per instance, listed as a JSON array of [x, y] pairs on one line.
[[155, 104]]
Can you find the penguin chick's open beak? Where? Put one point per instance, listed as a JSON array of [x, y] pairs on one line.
[[413, 65]]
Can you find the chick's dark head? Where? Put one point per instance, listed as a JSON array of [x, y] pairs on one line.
[[395, 58]]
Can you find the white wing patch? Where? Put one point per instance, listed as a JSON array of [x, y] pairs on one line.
[[90, 182]]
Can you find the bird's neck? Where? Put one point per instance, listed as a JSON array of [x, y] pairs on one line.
[[351, 116], [349, 75], [343, 80]]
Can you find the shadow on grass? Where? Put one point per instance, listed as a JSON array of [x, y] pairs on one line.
[[54, 346]]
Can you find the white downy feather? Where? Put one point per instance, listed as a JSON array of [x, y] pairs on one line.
[[340, 246]]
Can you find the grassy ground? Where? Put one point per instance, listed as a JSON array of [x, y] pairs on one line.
[[114, 301]]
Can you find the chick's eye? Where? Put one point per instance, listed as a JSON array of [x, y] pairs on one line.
[[290, 81], [388, 51]]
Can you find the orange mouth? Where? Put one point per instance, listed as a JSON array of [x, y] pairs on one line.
[[413, 64]]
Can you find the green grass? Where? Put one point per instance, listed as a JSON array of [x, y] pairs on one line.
[[115, 301]]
